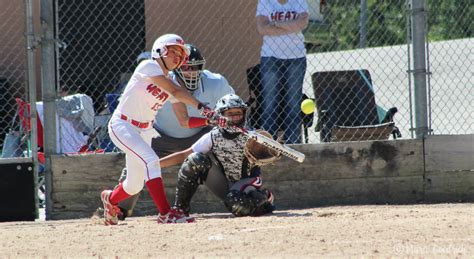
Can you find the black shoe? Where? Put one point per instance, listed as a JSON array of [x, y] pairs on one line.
[[122, 215]]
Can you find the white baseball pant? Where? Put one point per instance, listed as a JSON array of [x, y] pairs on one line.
[[141, 161]]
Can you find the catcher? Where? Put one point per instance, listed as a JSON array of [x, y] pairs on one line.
[[227, 163]]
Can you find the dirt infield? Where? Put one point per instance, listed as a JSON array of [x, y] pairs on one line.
[[444, 230]]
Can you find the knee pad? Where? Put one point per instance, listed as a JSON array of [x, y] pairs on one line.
[[195, 167]]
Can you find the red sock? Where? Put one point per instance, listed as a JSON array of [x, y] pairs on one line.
[[156, 188], [118, 195]]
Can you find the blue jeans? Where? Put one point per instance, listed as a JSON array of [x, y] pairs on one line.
[[282, 91]]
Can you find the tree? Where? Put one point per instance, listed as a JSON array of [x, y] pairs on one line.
[[387, 23], [450, 19]]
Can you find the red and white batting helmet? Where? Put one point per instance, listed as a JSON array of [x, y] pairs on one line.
[[160, 45]]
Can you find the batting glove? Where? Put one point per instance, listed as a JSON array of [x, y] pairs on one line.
[[205, 111], [219, 121]]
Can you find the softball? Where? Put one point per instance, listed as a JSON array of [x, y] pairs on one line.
[[308, 106]]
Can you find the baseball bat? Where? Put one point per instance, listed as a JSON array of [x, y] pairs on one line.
[[275, 145]]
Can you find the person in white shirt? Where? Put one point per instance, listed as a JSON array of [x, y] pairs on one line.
[[171, 121], [282, 65], [131, 127]]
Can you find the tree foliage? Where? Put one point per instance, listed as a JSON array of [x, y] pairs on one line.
[[387, 23], [450, 19]]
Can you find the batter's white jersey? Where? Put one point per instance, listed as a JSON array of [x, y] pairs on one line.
[[211, 88], [130, 127], [141, 98]]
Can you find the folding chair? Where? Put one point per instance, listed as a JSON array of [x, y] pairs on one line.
[[23, 109], [12, 143], [99, 139], [347, 110], [23, 113]]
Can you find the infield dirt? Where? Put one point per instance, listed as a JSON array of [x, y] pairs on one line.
[[439, 230]]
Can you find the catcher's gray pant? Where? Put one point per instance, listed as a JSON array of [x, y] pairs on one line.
[[163, 146]]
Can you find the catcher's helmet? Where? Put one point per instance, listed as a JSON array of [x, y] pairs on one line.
[[229, 101], [160, 46], [192, 68]]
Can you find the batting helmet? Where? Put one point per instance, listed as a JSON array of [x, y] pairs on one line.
[[160, 46]]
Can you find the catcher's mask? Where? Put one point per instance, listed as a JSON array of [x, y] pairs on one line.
[[190, 72], [232, 101]]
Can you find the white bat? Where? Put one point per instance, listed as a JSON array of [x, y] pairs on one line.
[[275, 145]]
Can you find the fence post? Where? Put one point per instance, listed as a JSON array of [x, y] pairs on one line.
[[31, 45], [418, 16], [48, 84]]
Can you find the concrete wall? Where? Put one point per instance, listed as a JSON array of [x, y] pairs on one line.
[[439, 169], [224, 31]]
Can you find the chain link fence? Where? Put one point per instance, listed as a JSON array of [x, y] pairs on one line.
[[358, 60], [358, 65], [450, 62], [97, 51], [14, 135]]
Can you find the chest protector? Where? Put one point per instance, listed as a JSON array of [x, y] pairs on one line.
[[229, 151]]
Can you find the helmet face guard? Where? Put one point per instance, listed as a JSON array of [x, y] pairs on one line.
[[190, 72], [239, 123], [231, 101]]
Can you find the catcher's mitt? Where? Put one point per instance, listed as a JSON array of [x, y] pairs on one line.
[[258, 154]]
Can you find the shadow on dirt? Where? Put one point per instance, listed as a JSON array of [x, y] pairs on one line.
[[274, 214]]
